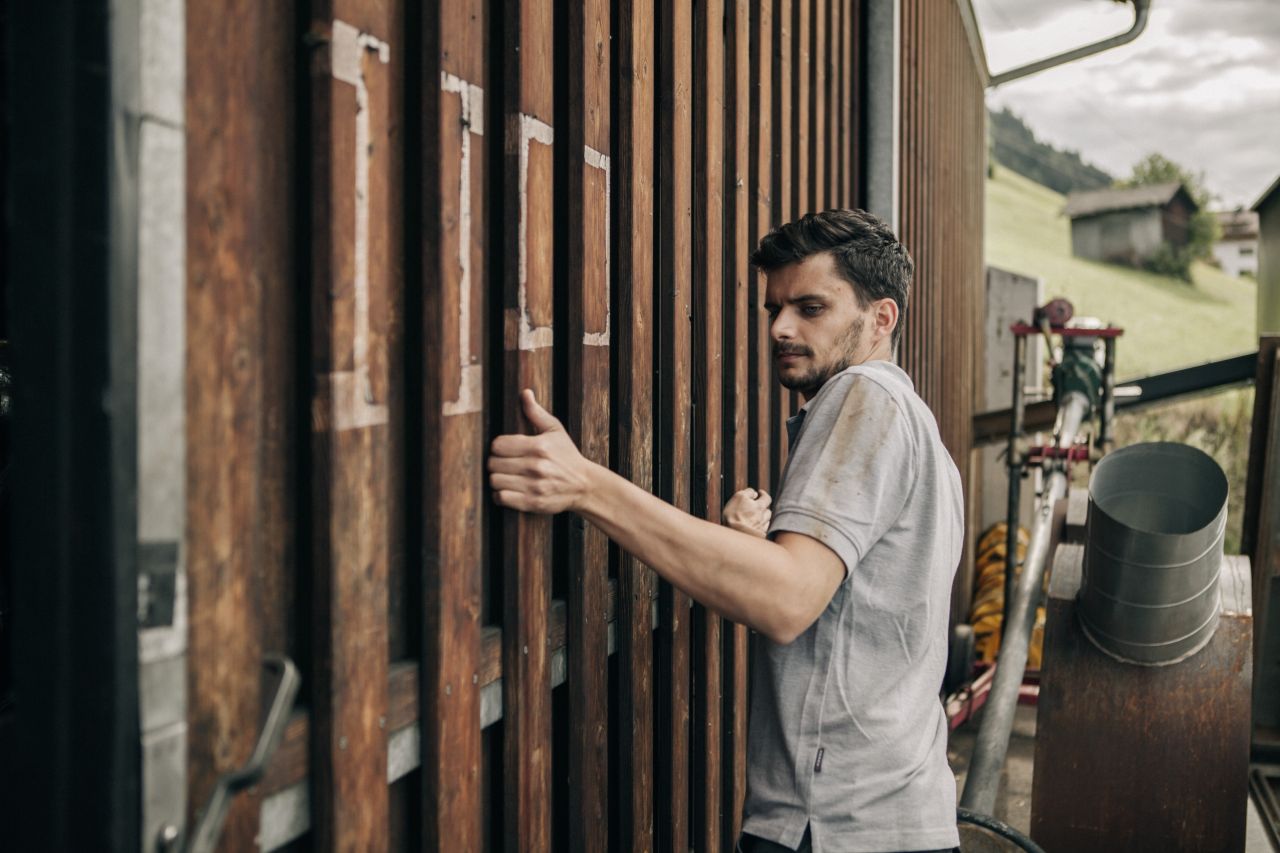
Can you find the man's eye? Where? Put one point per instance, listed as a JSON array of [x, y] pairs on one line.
[[812, 310]]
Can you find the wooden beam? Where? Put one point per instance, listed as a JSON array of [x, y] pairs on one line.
[[587, 417], [528, 110], [674, 357], [632, 404], [738, 242], [354, 275], [454, 261], [238, 374], [708, 398]]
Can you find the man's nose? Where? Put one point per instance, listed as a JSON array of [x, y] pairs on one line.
[[782, 327]]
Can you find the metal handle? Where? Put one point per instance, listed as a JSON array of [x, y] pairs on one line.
[[209, 828]]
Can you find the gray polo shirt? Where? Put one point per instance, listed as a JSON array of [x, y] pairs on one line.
[[847, 734]]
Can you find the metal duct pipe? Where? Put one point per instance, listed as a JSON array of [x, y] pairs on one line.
[[1141, 11], [983, 780], [1153, 548]]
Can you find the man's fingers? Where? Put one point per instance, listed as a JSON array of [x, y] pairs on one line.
[[508, 483], [513, 445], [764, 499], [539, 418], [512, 465]]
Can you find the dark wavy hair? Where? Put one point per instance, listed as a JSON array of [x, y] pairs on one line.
[[864, 248]]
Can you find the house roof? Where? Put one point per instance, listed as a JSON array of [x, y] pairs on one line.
[[1093, 202], [1238, 224], [1267, 196]]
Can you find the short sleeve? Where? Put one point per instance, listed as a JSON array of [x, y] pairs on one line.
[[851, 472]]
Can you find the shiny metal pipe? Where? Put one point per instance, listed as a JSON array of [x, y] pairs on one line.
[[983, 779]]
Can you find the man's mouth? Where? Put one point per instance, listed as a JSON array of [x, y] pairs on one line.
[[789, 356]]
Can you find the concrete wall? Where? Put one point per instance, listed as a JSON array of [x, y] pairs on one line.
[[1123, 237], [1011, 297], [1269, 267], [148, 65]]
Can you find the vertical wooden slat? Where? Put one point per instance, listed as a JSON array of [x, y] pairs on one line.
[[850, 102], [675, 181], [801, 123], [528, 107], [454, 242], [632, 442], [237, 378], [818, 106], [708, 396], [352, 272], [785, 203], [587, 208], [739, 238], [831, 55]]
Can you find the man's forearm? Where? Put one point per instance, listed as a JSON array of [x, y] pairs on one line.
[[742, 577]]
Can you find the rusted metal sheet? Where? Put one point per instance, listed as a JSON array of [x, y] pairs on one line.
[[527, 302], [675, 186], [632, 406], [454, 244], [588, 263], [238, 372], [1142, 758], [709, 395], [737, 350], [354, 275]]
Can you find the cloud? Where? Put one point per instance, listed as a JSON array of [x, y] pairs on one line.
[[1201, 86]]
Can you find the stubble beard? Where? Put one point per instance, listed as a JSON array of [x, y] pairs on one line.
[[845, 350]]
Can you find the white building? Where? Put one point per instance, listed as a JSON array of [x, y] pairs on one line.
[[1237, 250]]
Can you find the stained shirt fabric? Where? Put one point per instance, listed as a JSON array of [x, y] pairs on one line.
[[847, 734]]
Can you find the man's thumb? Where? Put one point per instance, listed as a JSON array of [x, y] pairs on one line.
[[539, 418]]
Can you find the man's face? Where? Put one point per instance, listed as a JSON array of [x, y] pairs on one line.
[[817, 327]]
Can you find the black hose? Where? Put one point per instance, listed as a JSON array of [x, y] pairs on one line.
[[1000, 828]]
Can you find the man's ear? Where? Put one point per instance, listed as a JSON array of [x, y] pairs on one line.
[[886, 317]]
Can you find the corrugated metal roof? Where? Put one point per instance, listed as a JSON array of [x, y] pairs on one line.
[[1092, 202]]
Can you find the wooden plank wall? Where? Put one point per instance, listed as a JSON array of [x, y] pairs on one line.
[[943, 114], [399, 216]]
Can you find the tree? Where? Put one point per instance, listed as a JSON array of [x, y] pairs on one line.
[[1203, 229]]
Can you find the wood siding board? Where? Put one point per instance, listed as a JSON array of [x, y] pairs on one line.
[[674, 358], [238, 380], [764, 192], [632, 440], [528, 174], [818, 105], [801, 123], [785, 203], [709, 393], [739, 239], [587, 418], [454, 160], [353, 273]]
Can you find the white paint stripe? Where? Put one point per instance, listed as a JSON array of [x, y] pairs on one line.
[[471, 379], [601, 161], [530, 337], [351, 391]]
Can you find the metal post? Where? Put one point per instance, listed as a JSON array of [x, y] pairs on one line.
[[983, 780], [1105, 438], [1015, 472]]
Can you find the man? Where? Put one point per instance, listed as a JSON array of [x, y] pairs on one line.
[[851, 589]]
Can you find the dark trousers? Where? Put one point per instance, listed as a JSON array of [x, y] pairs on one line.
[[753, 844]]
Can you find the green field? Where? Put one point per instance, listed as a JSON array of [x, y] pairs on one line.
[[1168, 323]]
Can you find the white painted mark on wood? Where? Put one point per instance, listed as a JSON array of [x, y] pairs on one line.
[[530, 337], [471, 381], [352, 400], [596, 160]]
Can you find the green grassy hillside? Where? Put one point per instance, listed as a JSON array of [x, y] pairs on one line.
[[1168, 323]]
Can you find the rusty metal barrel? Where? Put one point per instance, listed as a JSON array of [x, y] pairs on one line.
[[1153, 550]]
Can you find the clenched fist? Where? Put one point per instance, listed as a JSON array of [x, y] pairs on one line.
[[748, 511]]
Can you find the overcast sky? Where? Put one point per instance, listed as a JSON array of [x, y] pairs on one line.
[[1201, 85]]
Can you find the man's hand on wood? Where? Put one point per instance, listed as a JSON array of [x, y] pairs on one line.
[[541, 473], [748, 511]]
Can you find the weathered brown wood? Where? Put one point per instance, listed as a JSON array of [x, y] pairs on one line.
[[1142, 758], [587, 417], [632, 404], [785, 206], [354, 276], [764, 191], [454, 245], [801, 124], [528, 238], [675, 182], [238, 377], [850, 103], [708, 398], [818, 106], [737, 349]]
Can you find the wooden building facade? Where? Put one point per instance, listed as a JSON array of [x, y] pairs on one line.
[[393, 217]]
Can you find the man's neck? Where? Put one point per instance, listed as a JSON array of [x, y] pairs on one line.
[[878, 354]]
